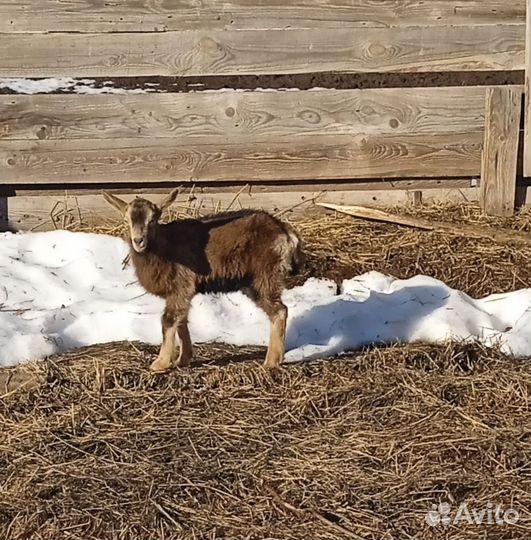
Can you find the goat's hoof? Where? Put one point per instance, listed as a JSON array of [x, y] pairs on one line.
[[271, 366], [159, 367], [183, 362]]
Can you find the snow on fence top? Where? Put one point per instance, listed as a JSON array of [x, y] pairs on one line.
[[65, 84]]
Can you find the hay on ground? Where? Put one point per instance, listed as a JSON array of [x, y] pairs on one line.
[[358, 447], [343, 247]]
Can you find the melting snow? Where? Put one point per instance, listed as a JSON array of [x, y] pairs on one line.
[[61, 290]]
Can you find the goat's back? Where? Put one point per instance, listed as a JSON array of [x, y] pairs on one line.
[[250, 242], [245, 249]]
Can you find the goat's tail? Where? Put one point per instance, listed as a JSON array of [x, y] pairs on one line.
[[297, 255]]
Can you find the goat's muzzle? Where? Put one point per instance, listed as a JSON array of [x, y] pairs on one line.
[[139, 244]]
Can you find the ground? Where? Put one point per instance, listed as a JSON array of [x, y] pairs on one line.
[[361, 446]]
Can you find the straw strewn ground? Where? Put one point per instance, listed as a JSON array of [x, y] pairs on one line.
[[343, 247], [93, 446], [357, 447]]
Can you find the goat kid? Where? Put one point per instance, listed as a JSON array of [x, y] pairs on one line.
[[246, 250]]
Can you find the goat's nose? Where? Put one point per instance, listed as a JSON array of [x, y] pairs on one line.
[[138, 241]]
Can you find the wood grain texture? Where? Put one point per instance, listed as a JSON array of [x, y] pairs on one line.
[[527, 128], [201, 53], [500, 151], [45, 212], [218, 116], [300, 158], [166, 15]]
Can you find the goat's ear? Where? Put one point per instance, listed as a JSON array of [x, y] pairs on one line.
[[115, 201], [170, 199]]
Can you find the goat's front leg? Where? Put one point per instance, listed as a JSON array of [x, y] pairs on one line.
[[173, 320]]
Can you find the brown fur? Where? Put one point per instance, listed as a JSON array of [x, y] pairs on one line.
[[247, 250]]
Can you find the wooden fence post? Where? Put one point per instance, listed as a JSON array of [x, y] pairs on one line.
[[527, 131], [500, 150], [4, 214]]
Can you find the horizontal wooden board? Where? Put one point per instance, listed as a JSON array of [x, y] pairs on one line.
[[164, 15], [182, 53], [302, 158], [218, 116], [45, 212]]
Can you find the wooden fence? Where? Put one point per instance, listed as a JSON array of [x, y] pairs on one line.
[[350, 142]]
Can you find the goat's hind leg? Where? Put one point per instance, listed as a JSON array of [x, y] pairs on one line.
[[278, 316], [186, 350]]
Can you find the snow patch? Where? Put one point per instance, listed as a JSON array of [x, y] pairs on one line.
[[61, 290]]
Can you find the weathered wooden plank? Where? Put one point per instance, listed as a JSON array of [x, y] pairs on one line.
[[500, 150], [216, 116], [166, 15], [181, 53], [527, 129], [45, 212], [301, 158]]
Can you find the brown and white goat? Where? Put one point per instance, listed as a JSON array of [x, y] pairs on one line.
[[246, 250]]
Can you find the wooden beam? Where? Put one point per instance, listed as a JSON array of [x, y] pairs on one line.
[[168, 15], [527, 129], [311, 158], [216, 116], [190, 52], [500, 150]]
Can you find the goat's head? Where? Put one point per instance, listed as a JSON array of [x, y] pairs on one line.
[[142, 216]]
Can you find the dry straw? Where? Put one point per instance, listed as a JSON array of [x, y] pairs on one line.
[[362, 446]]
